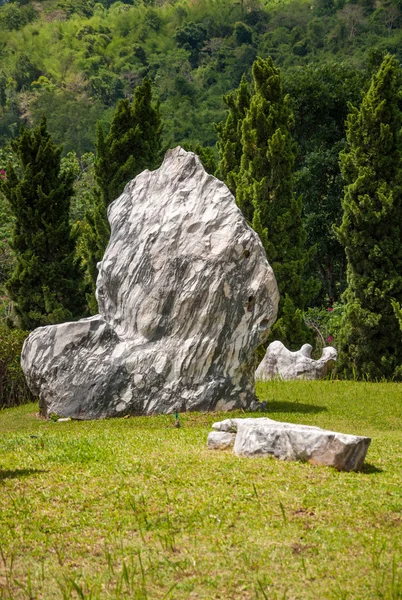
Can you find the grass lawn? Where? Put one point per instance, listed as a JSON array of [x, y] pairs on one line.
[[134, 508]]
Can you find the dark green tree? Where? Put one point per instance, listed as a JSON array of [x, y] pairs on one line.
[[229, 135], [371, 230], [319, 98], [46, 284], [265, 195], [25, 72], [192, 37], [133, 144]]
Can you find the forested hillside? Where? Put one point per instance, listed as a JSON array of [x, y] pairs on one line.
[[74, 61]]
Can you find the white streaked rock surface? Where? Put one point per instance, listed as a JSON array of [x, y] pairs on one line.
[[185, 295], [231, 424], [281, 363], [287, 441]]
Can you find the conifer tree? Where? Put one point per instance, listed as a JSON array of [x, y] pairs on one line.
[[133, 144], [47, 283], [371, 230], [229, 135], [266, 198]]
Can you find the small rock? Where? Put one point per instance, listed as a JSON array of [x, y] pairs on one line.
[[231, 424], [288, 441], [219, 440], [257, 406], [302, 442], [62, 420], [281, 363]]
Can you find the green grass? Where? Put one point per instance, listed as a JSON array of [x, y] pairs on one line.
[[134, 508]]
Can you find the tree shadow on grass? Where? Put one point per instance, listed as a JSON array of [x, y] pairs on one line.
[[291, 407], [19, 473], [369, 469]]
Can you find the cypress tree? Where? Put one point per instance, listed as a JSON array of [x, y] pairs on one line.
[[371, 230], [266, 198], [46, 284], [229, 135], [133, 144]]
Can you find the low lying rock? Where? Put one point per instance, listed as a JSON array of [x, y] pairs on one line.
[[281, 363], [232, 424], [287, 441], [220, 440]]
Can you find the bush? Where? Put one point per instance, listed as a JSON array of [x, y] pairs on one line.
[[326, 324], [13, 387]]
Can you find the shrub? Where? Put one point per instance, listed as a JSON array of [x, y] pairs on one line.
[[13, 387], [326, 324]]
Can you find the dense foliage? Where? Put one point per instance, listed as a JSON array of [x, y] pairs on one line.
[[13, 388], [45, 284], [81, 63], [371, 229], [256, 159], [229, 141], [319, 97], [75, 60]]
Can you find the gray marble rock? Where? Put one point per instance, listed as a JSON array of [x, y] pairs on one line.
[[185, 295], [220, 440], [230, 425], [287, 441], [281, 363]]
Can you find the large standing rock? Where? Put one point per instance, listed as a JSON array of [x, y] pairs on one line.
[[281, 363], [287, 441], [185, 295]]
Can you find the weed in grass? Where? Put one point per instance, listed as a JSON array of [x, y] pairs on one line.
[[60, 552], [396, 581], [27, 589], [284, 517], [267, 593], [388, 585], [108, 556], [169, 592], [140, 514], [377, 552], [167, 541], [262, 589], [133, 580], [7, 565], [65, 586], [339, 593]]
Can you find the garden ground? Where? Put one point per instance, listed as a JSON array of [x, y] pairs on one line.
[[135, 508]]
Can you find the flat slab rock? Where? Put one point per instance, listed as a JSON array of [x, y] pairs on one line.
[[287, 441], [185, 295], [281, 363]]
